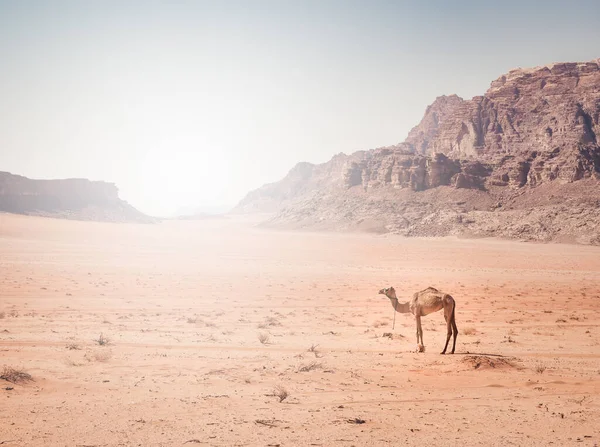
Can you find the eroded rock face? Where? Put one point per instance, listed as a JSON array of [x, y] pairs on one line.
[[532, 128], [71, 198], [550, 114]]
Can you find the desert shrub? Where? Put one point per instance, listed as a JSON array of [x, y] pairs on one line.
[[281, 393], [264, 338], [15, 375]]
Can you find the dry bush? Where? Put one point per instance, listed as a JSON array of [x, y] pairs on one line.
[[509, 339], [313, 349], [264, 338], [14, 375], [269, 321], [192, 320], [488, 362], [356, 421], [469, 331], [73, 347], [14, 313], [540, 368], [272, 321], [102, 340], [71, 362], [310, 366], [281, 393], [98, 356], [267, 422]]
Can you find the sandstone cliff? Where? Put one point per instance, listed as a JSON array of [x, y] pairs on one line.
[[79, 199], [521, 161]]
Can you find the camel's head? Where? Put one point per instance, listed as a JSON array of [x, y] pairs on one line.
[[390, 292]]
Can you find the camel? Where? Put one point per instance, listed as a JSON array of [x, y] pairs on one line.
[[423, 303]]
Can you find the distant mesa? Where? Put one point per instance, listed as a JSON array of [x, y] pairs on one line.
[[521, 161], [77, 199]]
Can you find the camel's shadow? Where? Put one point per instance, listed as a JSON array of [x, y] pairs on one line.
[[479, 353]]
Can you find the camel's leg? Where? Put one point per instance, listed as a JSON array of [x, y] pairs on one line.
[[455, 331], [417, 321], [448, 319], [419, 332]]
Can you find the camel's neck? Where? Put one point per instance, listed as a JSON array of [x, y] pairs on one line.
[[403, 308]]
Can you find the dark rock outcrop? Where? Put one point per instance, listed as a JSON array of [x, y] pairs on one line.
[[79, 199]]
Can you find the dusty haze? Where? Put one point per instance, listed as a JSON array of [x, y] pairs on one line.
[[191, 104]]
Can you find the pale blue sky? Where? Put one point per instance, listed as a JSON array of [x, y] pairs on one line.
[[193, 103]]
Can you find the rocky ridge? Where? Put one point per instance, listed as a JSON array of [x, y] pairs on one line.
[[78, 199], [522, 161]]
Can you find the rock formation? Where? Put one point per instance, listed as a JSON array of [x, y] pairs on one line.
[[79, 199], [529, 143]]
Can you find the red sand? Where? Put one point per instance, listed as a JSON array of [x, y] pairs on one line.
[[184, 303]]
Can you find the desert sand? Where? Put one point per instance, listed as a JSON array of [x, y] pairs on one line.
[[210, 322]]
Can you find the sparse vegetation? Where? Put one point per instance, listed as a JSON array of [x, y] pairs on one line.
[[509, 339], [71, 362], [98, 356], [355, 421], [540, 369], [313, 349], [469, 331], [281, 393], [192, 320], [264, 338], [73, 347], [310, 366], [14, 375], [269, 321], [102, 340], [267, 422]]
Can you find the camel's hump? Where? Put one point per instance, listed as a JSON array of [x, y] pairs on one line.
[[430, 289]]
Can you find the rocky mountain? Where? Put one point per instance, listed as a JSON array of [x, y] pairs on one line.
[[78, 199], [522, 161]]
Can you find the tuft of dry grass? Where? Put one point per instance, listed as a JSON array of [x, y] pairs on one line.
[[73, 347], [355, 421], [269, 322], [102, 340], [14, 375], [310, 366], [99, 356], [540, 368], [71, 362], [264, 338], [469, 331], [281, 393], [313, 349]]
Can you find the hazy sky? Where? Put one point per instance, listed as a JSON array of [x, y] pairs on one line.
[[194, 103]]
